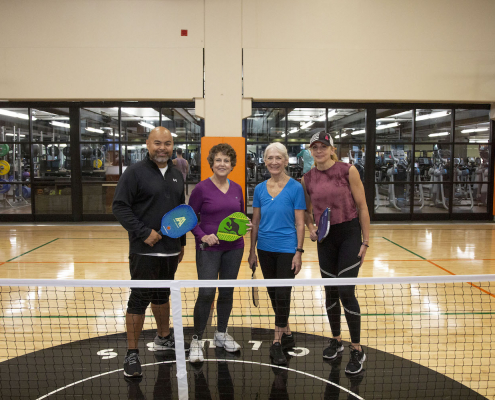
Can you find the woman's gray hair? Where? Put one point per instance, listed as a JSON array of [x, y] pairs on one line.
[[278, 147]]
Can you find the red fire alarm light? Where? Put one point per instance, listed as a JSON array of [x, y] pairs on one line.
[[183, 32]]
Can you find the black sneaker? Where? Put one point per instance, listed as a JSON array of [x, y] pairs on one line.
[[287, 341], [277, 354], [132, 365], [167, 343], [355, 364], [334, 348]]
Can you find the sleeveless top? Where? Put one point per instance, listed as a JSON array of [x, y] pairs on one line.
[[182, 166], [331, 188]]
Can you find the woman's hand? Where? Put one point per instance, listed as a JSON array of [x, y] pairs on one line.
[[362, 252], [313, 235], [297, 262], [249, 226], [252, 260], [212, 239]]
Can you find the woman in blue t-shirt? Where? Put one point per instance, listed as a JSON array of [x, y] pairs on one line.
[[278, 227]]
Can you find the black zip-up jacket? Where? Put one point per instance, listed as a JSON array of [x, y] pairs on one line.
[[142, 197]]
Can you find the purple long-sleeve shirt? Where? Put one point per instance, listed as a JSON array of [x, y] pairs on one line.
[[212, 206]]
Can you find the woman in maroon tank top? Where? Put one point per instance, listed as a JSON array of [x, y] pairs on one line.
[[337, 185]]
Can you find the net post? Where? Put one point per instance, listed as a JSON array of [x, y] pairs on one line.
[[180, 355]]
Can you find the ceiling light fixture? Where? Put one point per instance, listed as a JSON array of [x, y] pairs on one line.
[[95, 130], [439, 134], [61, 124], [360, 132], [387, 126], [474, 130], [146, 125], [15, 114], [432, 115]]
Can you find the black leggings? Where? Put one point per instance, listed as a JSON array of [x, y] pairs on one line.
[[278, 266], [213, 265], [338, 257]]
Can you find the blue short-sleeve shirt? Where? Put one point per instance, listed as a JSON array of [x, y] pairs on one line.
[[277, 230]]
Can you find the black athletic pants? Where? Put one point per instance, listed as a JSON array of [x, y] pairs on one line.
[[338, 257], [278, 266]]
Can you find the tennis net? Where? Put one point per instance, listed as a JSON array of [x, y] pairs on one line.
[[424, 337]]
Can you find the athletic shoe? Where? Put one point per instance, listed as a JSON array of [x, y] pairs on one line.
[[223, 339], [167, 343], [355, 364], [287, 341], [196, 351], [132, 365], [334, 348], [277, 354]]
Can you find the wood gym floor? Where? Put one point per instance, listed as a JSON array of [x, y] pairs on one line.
[[447, 328]]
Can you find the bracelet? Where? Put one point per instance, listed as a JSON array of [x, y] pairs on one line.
[[300, 250], [363, 244]]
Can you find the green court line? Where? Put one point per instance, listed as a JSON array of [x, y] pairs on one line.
[[36, 248], [245, 316], [398, 245]]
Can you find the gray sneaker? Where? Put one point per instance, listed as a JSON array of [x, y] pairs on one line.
[[196, 351], [167, 343], [223, 339]]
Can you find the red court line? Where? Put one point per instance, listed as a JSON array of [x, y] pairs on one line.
[[472, 284]]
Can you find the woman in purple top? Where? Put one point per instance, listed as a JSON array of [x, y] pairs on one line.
[[213, 200], [337, 185]]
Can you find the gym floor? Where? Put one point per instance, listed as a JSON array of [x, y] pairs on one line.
[[431, 362]]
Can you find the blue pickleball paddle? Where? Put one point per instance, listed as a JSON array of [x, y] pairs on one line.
[[179, 221], [323, 225]]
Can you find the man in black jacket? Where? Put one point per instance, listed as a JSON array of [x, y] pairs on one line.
[[145, 192]]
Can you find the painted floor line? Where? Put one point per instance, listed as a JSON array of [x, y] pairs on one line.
[[36, 248], [442, 268]]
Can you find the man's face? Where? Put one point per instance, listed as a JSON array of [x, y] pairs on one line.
[[160, 144]]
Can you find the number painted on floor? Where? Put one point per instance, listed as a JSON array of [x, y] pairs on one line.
[[301, 352], [256, 344], [107, 354]]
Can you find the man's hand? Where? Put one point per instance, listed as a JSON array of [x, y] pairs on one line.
[[153, 238], [181, 254]]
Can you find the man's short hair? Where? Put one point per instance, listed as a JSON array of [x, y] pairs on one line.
[[179, 151]]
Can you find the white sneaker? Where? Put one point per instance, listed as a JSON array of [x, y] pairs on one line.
[[226, 341], [196, 351]]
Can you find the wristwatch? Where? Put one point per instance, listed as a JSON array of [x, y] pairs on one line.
[[300, 250]]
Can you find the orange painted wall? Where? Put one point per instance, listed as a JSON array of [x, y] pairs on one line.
[[238, 175]]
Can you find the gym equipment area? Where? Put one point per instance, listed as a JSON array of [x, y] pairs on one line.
[[62, 161]]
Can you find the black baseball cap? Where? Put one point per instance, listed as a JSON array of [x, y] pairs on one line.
[[321, 137]]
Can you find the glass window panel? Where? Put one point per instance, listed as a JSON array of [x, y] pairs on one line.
[[394, 125], [99, 124], [266, 124], [472, 126], [435, 159], [15, 196], [52, 161], [300, 160], [347, 125], [97, 198], [95, 160], [14, 124], [393, 163], [138, 122], [133, 153], [250, 196], [54, 198], [304, 123], [183, 124], [471, 162], [433, 125], [51, 125], [259, 172], [392, 198], [192, 153], [436, 197]]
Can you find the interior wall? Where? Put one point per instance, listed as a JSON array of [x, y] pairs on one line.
[[380, 50], [105, 49]]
